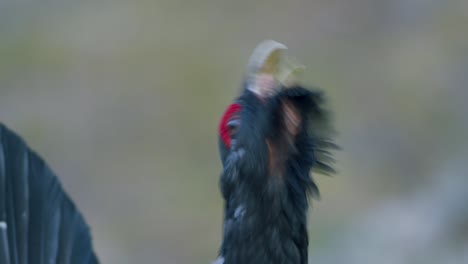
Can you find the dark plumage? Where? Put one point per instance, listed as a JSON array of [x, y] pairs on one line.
[[275, 139], [38, 221]]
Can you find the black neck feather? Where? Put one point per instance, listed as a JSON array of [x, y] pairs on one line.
[[266, 210]]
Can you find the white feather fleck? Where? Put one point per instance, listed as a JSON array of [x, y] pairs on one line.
[[239, 212]]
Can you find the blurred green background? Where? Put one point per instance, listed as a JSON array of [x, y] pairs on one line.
[[122, 98]]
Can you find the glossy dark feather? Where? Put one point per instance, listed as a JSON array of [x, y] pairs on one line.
[[266, 207], [38, 221]]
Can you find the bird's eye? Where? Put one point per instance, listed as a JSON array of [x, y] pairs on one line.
[[233, 126]]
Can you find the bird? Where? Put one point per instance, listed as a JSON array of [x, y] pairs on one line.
[[270, 138], [39, 223]]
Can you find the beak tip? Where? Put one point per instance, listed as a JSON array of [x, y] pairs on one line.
[[262, 52]]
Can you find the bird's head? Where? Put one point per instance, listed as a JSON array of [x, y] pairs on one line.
[[274, 119]]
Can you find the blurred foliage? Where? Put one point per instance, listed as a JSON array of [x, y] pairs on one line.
[[123, 97]]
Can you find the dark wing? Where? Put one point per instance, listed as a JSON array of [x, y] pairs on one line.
[[38, 221]]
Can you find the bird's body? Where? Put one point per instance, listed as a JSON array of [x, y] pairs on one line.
[[268, 146]]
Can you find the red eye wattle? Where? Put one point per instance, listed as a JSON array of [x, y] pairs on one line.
[[224, 130]]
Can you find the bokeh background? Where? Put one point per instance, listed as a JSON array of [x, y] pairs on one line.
[[122, 98]]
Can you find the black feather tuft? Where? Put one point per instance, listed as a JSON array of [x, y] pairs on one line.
[[320, 131]]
